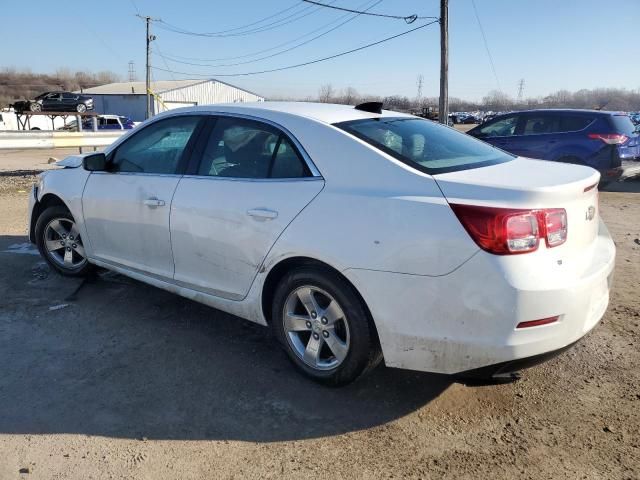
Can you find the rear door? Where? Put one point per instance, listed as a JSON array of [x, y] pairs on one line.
[[69, 101], [126, 210], [250, 181]]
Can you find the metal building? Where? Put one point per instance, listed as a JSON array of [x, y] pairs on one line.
[[129, 98]]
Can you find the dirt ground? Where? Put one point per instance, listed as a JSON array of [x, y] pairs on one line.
[[111, 378]]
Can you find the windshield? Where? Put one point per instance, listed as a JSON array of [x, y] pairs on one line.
[[425, 145]]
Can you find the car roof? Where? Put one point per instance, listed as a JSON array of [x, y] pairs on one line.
[[323, 112], [567, 110]]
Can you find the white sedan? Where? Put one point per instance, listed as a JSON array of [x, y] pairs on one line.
[[356, 234]]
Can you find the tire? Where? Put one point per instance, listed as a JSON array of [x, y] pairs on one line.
[[35, 107], [81, 108], [335, 324], [55, 227]]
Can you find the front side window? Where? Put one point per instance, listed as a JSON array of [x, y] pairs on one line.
[[240, 148], [425, 145], [157, 148], [500, 127]]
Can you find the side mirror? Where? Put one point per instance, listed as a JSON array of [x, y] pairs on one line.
[[96, 162]]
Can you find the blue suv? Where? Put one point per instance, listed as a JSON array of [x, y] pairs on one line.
[[606, 141]]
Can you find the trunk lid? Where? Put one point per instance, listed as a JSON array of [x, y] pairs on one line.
[[532, 184]]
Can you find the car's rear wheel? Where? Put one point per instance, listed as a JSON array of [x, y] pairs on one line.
[[35, 107], [81, 108], [323, 326], [60, 242]]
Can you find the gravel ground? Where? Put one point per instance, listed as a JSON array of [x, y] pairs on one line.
[[110, 378]]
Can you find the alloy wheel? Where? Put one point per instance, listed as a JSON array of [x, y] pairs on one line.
[[64, 244], [316, 328]]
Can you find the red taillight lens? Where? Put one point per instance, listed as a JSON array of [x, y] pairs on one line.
[[504, 231], [609, 138], [555, 226]]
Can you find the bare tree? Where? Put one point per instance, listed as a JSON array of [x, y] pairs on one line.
[[325, 94]]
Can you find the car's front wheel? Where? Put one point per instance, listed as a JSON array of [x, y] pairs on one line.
[[81, 108], [60, 242], [323, 326], [35, 107]]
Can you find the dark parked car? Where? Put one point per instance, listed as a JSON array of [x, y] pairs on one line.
[[56, 102], [606, 141]]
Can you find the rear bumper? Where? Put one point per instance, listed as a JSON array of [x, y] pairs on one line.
[[467, 320]]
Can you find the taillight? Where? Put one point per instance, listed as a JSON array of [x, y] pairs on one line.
[[609, 138], [555, 226], [505, 231]]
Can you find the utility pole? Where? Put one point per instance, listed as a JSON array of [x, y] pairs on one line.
[[150, 38], [443, 107]]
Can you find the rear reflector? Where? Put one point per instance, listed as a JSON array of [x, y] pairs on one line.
[[505, 231], [536, 323], [609, 138]]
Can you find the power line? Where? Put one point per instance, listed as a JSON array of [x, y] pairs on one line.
[[135, 6], [486, 44], [229, 33], [406, 18], [296, 5], [318, 60], [277, 53], [172, 57]]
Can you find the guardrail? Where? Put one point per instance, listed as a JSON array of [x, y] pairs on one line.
[[35, 140]]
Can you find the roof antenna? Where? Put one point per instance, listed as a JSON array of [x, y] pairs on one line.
[[371, 107]]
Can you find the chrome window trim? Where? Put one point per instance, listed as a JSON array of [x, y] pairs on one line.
[[245, 179]]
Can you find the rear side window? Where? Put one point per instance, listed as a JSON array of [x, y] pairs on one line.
[[240, 148], [425, 145], [574, 123], [623, 124]]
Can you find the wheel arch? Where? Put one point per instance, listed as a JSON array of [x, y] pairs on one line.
[[47, 200], [278, 271]]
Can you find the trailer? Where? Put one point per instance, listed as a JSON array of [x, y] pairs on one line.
[[11, 120]]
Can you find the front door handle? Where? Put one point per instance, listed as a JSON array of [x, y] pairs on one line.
[[262, 213], [154, 202]]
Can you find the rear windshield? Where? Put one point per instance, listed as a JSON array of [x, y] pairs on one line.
[[425, 145], [623, 124]]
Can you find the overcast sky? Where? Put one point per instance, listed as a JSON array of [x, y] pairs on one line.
[[551, 44]]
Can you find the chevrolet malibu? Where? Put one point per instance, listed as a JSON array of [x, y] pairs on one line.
[[356, 234]]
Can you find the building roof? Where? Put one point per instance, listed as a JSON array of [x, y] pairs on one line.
[[128, 88], [322, 112]]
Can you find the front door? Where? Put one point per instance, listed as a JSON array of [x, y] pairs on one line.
[[250, 183], [126, 210]]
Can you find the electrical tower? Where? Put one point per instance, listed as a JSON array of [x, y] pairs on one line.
[[132, 71], [419, 83], [521, 90]]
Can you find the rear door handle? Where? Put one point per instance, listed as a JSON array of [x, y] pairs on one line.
[[262, 213], [153, 202]]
